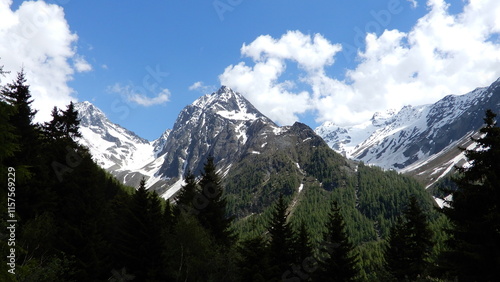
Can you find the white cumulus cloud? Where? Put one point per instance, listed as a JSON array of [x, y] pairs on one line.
[[260, 83], [442, 54], [37, 37]]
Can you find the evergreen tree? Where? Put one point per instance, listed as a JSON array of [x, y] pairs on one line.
[[64, 124], [156, 239], [410, 244], [70, 122], [80, 214], [52, 128], [420, 241], [27, 158], [253, 264], [2, 72], [396, 255], [8, 139], [475, 211], [18, 95], [338, 261], [281, 244], [142, 247], [186, 196], [212, 206], [303, 245], [168, 217]]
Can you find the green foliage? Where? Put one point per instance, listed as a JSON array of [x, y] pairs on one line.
[[372, 262], [186, 196], [142, 243], [64, 124], [53, 268], [302, 245], [410, 244], [253, 264], [281, 239], [256, 183], [212, 213], [338, 262], [474, 213], [327, 167], [8, 139]]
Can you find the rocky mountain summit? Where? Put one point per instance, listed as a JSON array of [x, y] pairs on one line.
[[222, 124]]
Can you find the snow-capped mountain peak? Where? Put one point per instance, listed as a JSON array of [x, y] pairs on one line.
[[113, 147], [383, 118], [404, 140], [228, 104], [90, 114]]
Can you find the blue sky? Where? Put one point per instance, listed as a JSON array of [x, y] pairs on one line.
[[313, 61]]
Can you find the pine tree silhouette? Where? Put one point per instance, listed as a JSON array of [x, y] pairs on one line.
[[338, 261], [475, 211]]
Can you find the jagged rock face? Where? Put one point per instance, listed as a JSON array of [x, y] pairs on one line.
[[219, 124], [223, 124], [414, 134]]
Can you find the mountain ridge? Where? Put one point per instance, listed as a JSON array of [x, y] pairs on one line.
[[417, 140], [223, 124], [416, 133]]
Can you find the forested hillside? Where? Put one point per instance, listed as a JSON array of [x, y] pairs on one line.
[[303, 215]]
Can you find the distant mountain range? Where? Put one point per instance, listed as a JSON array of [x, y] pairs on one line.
[[418, 140], [421, 140]]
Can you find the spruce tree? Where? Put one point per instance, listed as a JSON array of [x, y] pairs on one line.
[[141, 247], [420, 241], [70, 122], [396, 255], [186, 196], [253, 264], [212, 206], [474, 211], [27, 158], [281, 244], [64, 125], [338, 262], [410, 244], [168, 217], [156, 228], [52, 129], [18, 95], [8, 139], [303, 245]]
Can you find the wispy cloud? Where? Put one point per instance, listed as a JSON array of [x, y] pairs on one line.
[[201, 87], [81, 65], [131, 94], [414, 3]]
